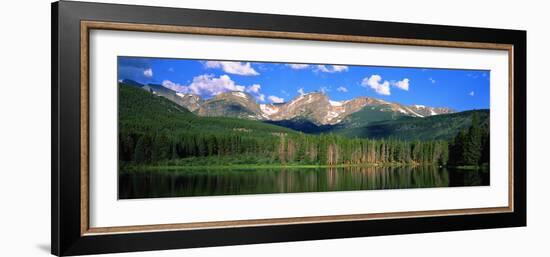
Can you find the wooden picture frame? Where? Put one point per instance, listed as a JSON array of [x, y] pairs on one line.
[[71, 25]]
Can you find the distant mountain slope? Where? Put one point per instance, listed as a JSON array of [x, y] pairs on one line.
[[411, 128], [320, 110], [370, 114], [140, 111], [426, 111], [231, 104], [164, 92], [378, 125], [303, 125]]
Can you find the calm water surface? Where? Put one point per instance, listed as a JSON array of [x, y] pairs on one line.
[[209, 182]]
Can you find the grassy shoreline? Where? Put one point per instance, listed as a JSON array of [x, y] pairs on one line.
[[163, 167], [470, 167]]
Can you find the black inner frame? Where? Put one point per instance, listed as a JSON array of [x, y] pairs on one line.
[[65, 166]]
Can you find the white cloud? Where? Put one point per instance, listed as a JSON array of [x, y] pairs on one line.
[[208, 85], [472, 93], [254, 90], [148, 73], [205, 85], [297, 66], [324, 89], [262, 67], [301, 91], [238, 68], [339, 68], [331, 68], [175, 86], [374, 82], [342, 89], [403, 84], [321, 68], [276, 99], [382, 87], [432, 80]]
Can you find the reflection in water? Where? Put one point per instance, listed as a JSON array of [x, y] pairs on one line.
[[207, 182]]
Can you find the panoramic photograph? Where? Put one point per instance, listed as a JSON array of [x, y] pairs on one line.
[[189, 127]]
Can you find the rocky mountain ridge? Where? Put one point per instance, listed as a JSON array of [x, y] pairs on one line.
[[315, 107]]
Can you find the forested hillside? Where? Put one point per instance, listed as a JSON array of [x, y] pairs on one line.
[[438, 127], [471, 146], [154, 130]]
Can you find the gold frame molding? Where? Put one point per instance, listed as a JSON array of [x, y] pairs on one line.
[[87, 26]]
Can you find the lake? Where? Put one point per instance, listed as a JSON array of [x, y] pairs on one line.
[[210, 182]]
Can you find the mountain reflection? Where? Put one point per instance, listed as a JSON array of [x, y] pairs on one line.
[[210, 182]]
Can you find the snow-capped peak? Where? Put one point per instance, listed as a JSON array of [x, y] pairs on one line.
[[182, 95], [414, 113], [314, 106], [268, 109], [239, 94], [335, 103]]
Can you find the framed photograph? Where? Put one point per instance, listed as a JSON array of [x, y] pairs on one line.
[[178, 128]]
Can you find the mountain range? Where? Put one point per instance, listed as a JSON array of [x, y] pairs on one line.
[[315, 113], [314, 107]]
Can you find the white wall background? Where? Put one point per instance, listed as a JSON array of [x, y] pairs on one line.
[[25, 127]]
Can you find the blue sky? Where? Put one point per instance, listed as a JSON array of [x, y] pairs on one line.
[[276, 82]]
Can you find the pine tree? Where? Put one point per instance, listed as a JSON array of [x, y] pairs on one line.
[[486, 144], [140, 151], [472, 147]]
